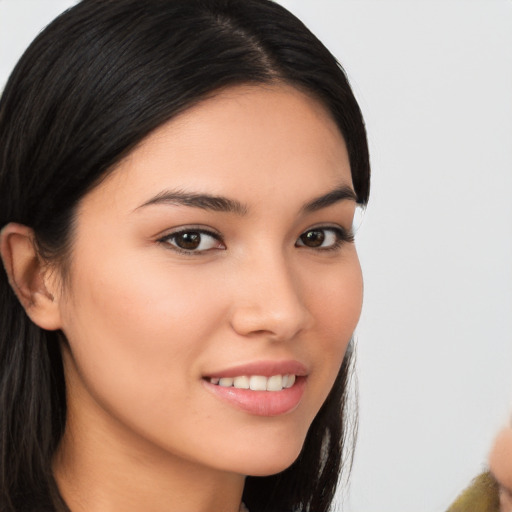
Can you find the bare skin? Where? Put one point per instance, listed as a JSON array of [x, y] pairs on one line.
[[500, 462], [165, 293]]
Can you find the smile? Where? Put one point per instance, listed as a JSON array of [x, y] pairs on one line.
[[264, 396], [256, 382]]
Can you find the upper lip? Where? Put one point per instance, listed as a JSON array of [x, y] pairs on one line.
[[263, 368]]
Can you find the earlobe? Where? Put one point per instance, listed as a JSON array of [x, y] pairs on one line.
[[27, 275]]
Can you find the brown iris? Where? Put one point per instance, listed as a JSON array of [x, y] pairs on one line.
[[188, 240], [313, 238]]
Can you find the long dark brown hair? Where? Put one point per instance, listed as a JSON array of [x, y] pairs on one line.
[[92, 85]]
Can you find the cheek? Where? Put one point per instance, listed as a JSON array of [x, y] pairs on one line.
[[133, 331], [336, 304], [139, 328], [133, 298], [335, 301]]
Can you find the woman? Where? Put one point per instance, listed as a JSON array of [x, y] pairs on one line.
[[178, 180]]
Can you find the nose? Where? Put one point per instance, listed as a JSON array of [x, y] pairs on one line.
[[269, 300]]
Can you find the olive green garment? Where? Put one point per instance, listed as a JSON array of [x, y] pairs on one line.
[[481, 496]]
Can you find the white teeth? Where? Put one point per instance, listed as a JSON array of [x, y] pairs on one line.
[[256, 382], [290, 381], [275, 383], [241, 382]]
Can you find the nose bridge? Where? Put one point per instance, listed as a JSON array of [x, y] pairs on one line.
[[270, 297]]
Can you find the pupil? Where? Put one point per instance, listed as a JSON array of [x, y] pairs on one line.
[[190, 240], [313, 238]]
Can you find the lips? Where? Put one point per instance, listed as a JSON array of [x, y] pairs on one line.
[[264, 368], [262, 388]]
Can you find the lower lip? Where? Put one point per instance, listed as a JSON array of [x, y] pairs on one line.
[[261, 403]]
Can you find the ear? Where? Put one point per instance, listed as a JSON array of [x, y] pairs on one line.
[[28, 276]]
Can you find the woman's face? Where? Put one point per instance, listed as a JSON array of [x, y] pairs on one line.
[[217, 255]]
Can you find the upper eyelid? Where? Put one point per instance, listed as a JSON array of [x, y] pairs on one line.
[[167, 234], [348, 232], [326, 226]]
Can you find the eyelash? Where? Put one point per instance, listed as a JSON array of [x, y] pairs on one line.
[[189, 230], [342, 236]]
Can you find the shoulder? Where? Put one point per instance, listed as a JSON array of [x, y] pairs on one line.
[[481, 496]]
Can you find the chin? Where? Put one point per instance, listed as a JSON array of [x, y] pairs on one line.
[[267, 464]]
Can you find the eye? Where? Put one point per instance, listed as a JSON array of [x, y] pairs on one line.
[[193, 241], [324, 238]]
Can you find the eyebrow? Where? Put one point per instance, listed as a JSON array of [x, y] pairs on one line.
[[341, 193], [204, 201], [224, 204]]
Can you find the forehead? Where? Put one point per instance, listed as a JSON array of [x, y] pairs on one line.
[[243, 139]]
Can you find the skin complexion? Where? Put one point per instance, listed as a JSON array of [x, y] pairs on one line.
[[212, 289], [500, 462]]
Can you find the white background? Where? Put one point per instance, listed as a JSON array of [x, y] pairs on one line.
[[434, 80]]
